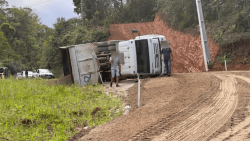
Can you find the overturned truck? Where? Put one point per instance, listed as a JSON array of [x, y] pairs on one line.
[[89, 63]]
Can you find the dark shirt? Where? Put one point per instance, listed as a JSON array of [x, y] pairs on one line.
[[26, 72], [166, 52]]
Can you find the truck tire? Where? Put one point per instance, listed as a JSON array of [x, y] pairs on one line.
[[111, 48], [102, 49], [102, 44], [103, 55], [102, 59], [113, 42]]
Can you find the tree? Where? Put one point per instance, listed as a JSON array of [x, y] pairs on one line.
[[4, 45], [8, 31]]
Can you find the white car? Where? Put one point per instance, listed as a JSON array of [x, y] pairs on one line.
[[29, 74], [45, 73]]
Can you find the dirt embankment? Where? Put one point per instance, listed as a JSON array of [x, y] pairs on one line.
[[187, 48], [240, 59]]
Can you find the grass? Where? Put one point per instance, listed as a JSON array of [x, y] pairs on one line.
[[33, 110]]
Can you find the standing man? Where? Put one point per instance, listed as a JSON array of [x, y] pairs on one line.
[[115, 68], [26, 72], [168, 57], [2, 75]]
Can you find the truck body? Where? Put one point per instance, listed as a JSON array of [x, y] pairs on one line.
[[81, 63]]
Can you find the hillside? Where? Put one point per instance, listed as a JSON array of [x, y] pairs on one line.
[[186, 47]]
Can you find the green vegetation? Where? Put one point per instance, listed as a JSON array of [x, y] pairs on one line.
[[26, 43], [29, 43], [228, 21], [227, 57], [118, 11], [210, 65], [33, 110], [223, 58]]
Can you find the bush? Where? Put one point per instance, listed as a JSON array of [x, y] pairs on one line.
[[228, 58], [210, 65]]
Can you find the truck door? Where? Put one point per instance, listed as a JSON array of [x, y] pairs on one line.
[[157, 56]]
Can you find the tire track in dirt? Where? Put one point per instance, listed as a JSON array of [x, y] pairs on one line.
[[165, 124], [240, 131], [202, 125], [176, 97]]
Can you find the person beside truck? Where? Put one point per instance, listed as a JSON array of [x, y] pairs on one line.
[[168, 57], [115, 68], [2, 75]]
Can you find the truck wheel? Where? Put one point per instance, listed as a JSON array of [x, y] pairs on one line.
[[113, 42], [101, 49], [111, 48], [102, 44], [102, 59]]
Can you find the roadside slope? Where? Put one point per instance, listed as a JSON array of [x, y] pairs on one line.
[[187, 48]]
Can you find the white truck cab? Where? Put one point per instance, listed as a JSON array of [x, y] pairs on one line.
[[142, 55]]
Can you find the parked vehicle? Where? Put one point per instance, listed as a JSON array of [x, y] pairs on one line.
[[35, 74], [6, 72], [18, 75], [29, 74], [44, 73]]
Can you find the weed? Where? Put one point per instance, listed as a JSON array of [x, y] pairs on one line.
[[210, 65], [227, 57], [33, 110], [246, 60]]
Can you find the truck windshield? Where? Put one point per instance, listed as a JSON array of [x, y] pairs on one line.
[[142, 54]]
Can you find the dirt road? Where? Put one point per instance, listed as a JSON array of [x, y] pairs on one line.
[[185, 107]]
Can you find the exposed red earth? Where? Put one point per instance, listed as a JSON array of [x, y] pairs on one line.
[[187, 48]]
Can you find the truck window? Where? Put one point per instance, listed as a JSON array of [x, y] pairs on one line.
[[142, 54]]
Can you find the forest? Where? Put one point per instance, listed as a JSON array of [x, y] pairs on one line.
[[27, 43]]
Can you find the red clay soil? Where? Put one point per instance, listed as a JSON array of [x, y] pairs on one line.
[[239, 60], [187, 48]]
